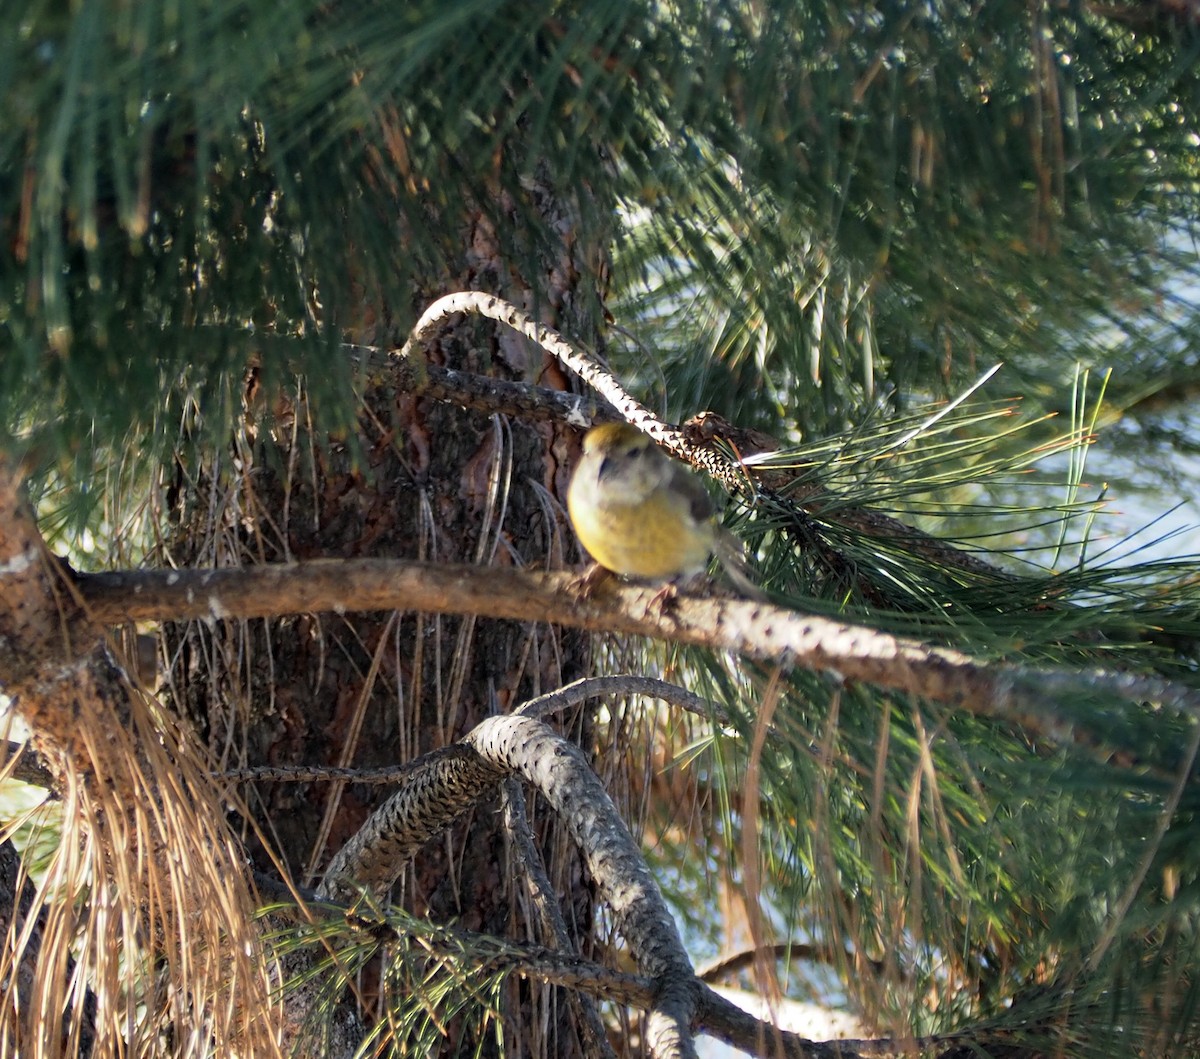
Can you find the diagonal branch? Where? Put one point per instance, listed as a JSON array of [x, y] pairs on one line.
[[1024, 695], [560, 772]]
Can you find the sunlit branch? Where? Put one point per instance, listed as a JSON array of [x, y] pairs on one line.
[[1026, 695]]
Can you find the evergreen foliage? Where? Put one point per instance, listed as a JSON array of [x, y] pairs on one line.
[[823, 218]]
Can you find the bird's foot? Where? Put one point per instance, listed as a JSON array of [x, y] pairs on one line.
[[585, 585], [663, 600]]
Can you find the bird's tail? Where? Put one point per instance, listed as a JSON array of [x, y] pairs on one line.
[[729, 552]]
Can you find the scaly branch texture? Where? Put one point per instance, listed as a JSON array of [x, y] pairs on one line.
[[435, 791], [692, 443], [560, 772], [585, 366], [1024, 695], [442, 785]]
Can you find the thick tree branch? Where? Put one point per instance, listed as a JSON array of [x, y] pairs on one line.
[[559, 771], [1016, 694]]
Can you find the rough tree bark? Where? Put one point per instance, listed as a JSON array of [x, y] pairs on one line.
[[423, 479]]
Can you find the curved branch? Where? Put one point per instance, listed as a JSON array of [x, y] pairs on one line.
[[584, 365], [560, 772], [443, 785], [619, 684], [437, 788]]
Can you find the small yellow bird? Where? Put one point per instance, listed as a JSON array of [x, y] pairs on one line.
[[641, 514]]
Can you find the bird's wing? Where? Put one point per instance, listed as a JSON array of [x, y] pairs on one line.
[[692, 490]]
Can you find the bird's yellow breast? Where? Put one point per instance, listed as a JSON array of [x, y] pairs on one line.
[[656, 538]]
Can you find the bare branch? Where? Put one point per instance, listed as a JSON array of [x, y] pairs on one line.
[[734, 962], [444, 784], [618, 684], [1023, 695]]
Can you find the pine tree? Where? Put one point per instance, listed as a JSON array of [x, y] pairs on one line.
[[948, 787]]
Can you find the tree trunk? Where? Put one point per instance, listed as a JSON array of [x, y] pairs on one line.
[[420, 479]]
